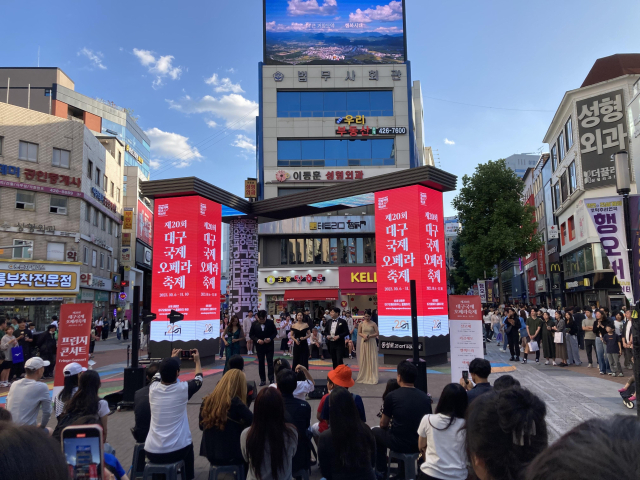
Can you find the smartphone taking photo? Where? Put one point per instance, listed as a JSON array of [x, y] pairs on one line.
[[84, 451], [186, 354], [465, 376]]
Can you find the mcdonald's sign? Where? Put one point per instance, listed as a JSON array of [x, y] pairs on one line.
[[555, 267]]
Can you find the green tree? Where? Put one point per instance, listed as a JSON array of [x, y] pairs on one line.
[[460, 277], [496, 225]]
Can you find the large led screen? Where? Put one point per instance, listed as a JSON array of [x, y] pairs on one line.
[[186, 268], [410, 246], [321, 32]]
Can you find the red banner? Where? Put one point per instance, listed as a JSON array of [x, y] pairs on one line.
[[145, 224], [465, 307], [74, 332]]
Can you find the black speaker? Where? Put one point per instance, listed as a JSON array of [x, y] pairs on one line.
[[133, 381], [320, 390]]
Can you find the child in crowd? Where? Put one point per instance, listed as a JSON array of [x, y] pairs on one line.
[[613, 344]]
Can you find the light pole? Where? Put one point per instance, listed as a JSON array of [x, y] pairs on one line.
[[623, 186]]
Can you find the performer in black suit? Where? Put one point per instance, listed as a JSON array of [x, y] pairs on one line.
[[335, 332], [262, 333]]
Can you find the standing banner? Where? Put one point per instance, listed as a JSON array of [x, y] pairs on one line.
[[465, 332], [74, 332], [490, 291], [482, 290], [607, 214], [634, 216]]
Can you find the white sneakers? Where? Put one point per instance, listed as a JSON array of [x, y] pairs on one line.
[[590, 366], [547, 362]]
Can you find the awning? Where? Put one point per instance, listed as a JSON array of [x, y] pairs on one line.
[[310, 294], [359, 291]]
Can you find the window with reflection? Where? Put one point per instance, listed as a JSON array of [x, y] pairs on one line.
[[336, 153], [328, 251], [376, 103]]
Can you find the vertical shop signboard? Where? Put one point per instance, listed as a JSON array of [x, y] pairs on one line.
[[74, 334], [410, 246], [243, 267], [465, 323], [186, 268]]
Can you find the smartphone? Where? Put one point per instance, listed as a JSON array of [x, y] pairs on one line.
[[465, 375], [186, 355], [83, 448]]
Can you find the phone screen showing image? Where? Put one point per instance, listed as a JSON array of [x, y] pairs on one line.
[[185, 354], [465, 375], [83, 455]]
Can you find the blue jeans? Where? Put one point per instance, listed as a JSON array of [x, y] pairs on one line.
[[506, 340], [496, 329], [603, 363]]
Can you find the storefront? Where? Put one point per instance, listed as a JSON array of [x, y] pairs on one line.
[[35, 289], [596, 290], [358, 289], [97, 290]]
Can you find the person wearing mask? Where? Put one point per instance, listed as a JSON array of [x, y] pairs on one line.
[[247, 322], [441, 437], [534, 334], [351, 460], [8, 342], [627, 337], [71, 373], [125, 328], [560, 339], [479, 369], [262, 333], [579, 317], [589, 335], [367, 351], [600, 330], [402, 413], [505, 431], [223, 417], [573, 352], [301, 333], [169, 439], [231, 337], [297, 412], [268, 446], [335, 331], [29, 396], [141, 406]]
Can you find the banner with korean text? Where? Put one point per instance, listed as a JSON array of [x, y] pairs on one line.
[[482, 290], [465, 324], [410, 246], [607, 214], [186, 268], [74, 332]]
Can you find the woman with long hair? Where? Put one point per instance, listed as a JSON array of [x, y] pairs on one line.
[[269, 444], [86, 400], [346, 460], [223, 416], [571, 337], [548, 345], [600, 329], [512, 328], [72, 372], [441, 437], [560, 340], [232, 336], [367, 351], [301, 332], [6, 344]]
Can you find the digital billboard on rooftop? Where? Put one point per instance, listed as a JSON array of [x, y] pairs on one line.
[[321, 32]]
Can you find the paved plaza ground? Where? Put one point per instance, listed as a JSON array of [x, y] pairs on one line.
[[572, 394]]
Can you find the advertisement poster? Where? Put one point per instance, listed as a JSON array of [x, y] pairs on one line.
[[145, 224], [74, 332], [127, 224], [482, 290], [410, 246], [607, 214], [634, 215], [186, 268], [353, 32], [465, 332]]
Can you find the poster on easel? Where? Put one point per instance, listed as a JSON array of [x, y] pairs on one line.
[[465, 332]]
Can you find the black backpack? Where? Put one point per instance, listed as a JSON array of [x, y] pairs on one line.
[[68, 419]]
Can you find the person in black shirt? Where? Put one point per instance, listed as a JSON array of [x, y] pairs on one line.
[[480, 369], [262, 333], [141, 407], [335, 331], [25, 339], [402, 412], [579, 317], [298, 413], [48, 347]]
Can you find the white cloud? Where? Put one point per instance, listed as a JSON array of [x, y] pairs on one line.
[[239, 113], [173, 147], [382, 13], [280, 27], [154, 163], [94, 57], [231, 70], [387, 30], [161, 67], [311, 7], [245, 143], [224, 85], [449, 142], [211, 124]]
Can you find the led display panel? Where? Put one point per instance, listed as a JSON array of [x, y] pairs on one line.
[[410, 246], [186, 268]]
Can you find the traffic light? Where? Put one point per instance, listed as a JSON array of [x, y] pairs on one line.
[[175, 316]]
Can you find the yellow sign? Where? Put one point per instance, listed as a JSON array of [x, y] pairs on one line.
[[271, 280], [128, 220], [251, 188], [363, 277], [27, 281]]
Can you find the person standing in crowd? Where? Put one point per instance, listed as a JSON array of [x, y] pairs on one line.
[[29, 395], [71, 372], [495, 325], [297, 412], [486, 318], [589, 336], [119, 329], [113, 322], [534, 334], [285, 328], [335, 331], [247, 322], [441, 437], [351, 460], [479, 369], [512, 329], [560, 339], [169, 439], [573, 352], [48, 346], [579, 317], [125, 328], [301, 333], [348, 341], [223, 417], [548, 344], [105, 328], [613, 346], [317, 344], [268, 446], [600, 330], [54, 321], [231, 337], [505, 431], [6, 344], [402, 413], [141, 406], [223, 326], [305, 383], [262, 333], [98, 326], [368, 351], [627, 337], [25, 340]]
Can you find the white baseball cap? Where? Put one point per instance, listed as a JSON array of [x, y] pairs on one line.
[[73, 368], [34, 363]]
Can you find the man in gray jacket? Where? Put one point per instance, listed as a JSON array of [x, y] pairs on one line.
[[27, 396]]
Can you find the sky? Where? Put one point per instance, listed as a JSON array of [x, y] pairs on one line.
[[189, 69]]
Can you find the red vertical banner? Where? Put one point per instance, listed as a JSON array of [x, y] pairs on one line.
[[74, 335], [410, 246]]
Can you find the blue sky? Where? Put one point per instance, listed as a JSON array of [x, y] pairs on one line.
[[190, 70]]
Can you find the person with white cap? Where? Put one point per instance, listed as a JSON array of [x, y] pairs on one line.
[[71, 372], [28, 395]]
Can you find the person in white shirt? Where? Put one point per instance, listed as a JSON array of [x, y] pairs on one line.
[[169, 439], [28, 396], [54, 321], [303, 387], [442, 437], [246, 328]]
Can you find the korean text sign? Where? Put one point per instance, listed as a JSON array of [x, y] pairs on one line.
[[145, 223], [186, 268], [602, 129], [410, 246], [465, 336], [74, 332]]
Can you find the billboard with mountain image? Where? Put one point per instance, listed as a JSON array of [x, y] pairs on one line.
[[321, 32]]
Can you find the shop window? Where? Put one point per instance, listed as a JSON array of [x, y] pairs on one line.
[[102, 261], [359, 250], [85, 255], [572, 177], [563, 233], [25, 200], [94, 258], [571, 228], [317, 252], [292, 251], [55, 251], [28, 151], [283, 251], [342, 250], [561, 147], [300, 251], [25, 252], [326, 259], [60, 158], [58, 205], [352, 251], [98, 176], [568, 130], [369, 247], [333, 250]]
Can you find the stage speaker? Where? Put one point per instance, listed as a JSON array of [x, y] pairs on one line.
[[320, 390], [133, 381]]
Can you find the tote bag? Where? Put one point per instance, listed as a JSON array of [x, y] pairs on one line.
[[533, 346], [558, 337], [17, 355]]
